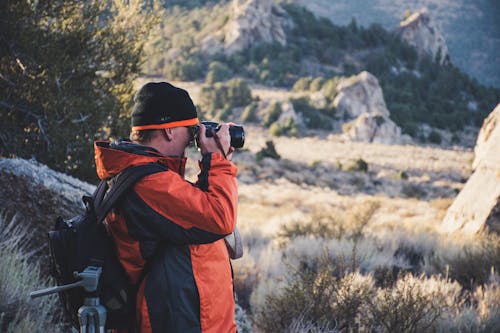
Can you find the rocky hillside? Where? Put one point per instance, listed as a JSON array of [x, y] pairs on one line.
[[470, 28], [426, 96]]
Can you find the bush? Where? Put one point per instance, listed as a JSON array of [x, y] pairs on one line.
[[249, 114], [434, 137], [358, 165], [317, 84], [218, 100], [218, 72], [413, 304], [287, 128], [271, 114], [268, 151], [313, 118], [302, 84]]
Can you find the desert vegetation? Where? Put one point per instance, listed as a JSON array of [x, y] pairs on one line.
[[20, 275]]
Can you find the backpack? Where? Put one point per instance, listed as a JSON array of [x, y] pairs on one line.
[[83, 241]]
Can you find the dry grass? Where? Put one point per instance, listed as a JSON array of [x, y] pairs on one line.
[[18, 277]]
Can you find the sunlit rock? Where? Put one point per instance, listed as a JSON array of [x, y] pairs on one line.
[[477, 206], [420, 31]]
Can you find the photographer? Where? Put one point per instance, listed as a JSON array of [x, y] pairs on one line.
[[168, 232]]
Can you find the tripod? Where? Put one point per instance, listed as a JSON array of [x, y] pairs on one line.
[[91, 315]]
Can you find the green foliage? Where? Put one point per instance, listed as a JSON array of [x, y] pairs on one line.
[[218, 72], [219, 99], [186, 68], [271, 114], [249, 114], [287, 128], [317, 84], [434, 137], [302, 84], [268, 151], [67, 71], [313, 118]]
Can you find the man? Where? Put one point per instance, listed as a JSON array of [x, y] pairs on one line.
[[169, 233]]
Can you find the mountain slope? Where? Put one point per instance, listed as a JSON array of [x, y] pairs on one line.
[[471, 28]]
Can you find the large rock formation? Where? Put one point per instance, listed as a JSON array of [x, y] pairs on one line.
[[420, 31], [255, 21], [361, 97], [37, 195], [477, 206], [373, 128]]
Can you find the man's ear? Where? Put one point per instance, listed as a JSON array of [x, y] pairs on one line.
[[169, 134]]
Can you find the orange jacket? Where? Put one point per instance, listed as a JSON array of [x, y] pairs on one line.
[[169, 233]]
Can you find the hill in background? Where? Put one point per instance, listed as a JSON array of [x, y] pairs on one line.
[[279, 44], [471, 28]]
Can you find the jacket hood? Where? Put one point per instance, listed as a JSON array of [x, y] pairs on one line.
[[111, 158]]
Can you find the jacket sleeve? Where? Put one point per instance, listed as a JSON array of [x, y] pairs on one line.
[[210, 206]]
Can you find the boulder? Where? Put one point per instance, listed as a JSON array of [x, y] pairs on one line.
[[360, 94], [37, 195], [360, 97], [420, 31], [373, 128], [254, 21], [477, 206]]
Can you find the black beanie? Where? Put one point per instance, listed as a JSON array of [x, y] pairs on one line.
[[162, 105]]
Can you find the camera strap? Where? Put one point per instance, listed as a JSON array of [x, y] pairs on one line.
[[219, 145]]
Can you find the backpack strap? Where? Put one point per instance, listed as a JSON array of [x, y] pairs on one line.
[[122, 182]]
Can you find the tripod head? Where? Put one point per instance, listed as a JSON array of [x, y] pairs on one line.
[[89, 282]]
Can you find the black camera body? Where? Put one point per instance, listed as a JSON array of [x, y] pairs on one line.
[[236, 132]]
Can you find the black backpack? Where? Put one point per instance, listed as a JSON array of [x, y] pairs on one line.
[[83, 241]]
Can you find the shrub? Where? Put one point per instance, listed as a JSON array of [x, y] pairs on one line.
[[358, 165], [271, 114], [414, 304], [249, 114], [219, 99], [302, 84], [217, 72], [288, 128], [471, 262], [268, 151], [434, 137], [313, 118], [317, 84]]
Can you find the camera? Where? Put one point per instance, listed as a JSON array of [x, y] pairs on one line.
[[236, 132]]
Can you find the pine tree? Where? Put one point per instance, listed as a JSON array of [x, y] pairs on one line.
[[66, 72]]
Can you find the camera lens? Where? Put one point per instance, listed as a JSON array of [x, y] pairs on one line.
[[236, 132]]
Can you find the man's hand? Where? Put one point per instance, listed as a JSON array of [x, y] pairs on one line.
[[209, 145]]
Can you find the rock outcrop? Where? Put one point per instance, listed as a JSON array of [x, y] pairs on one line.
[[373, 128], [420, 31], [37, 195], [254, 21], [477, 206], [360, 97]]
